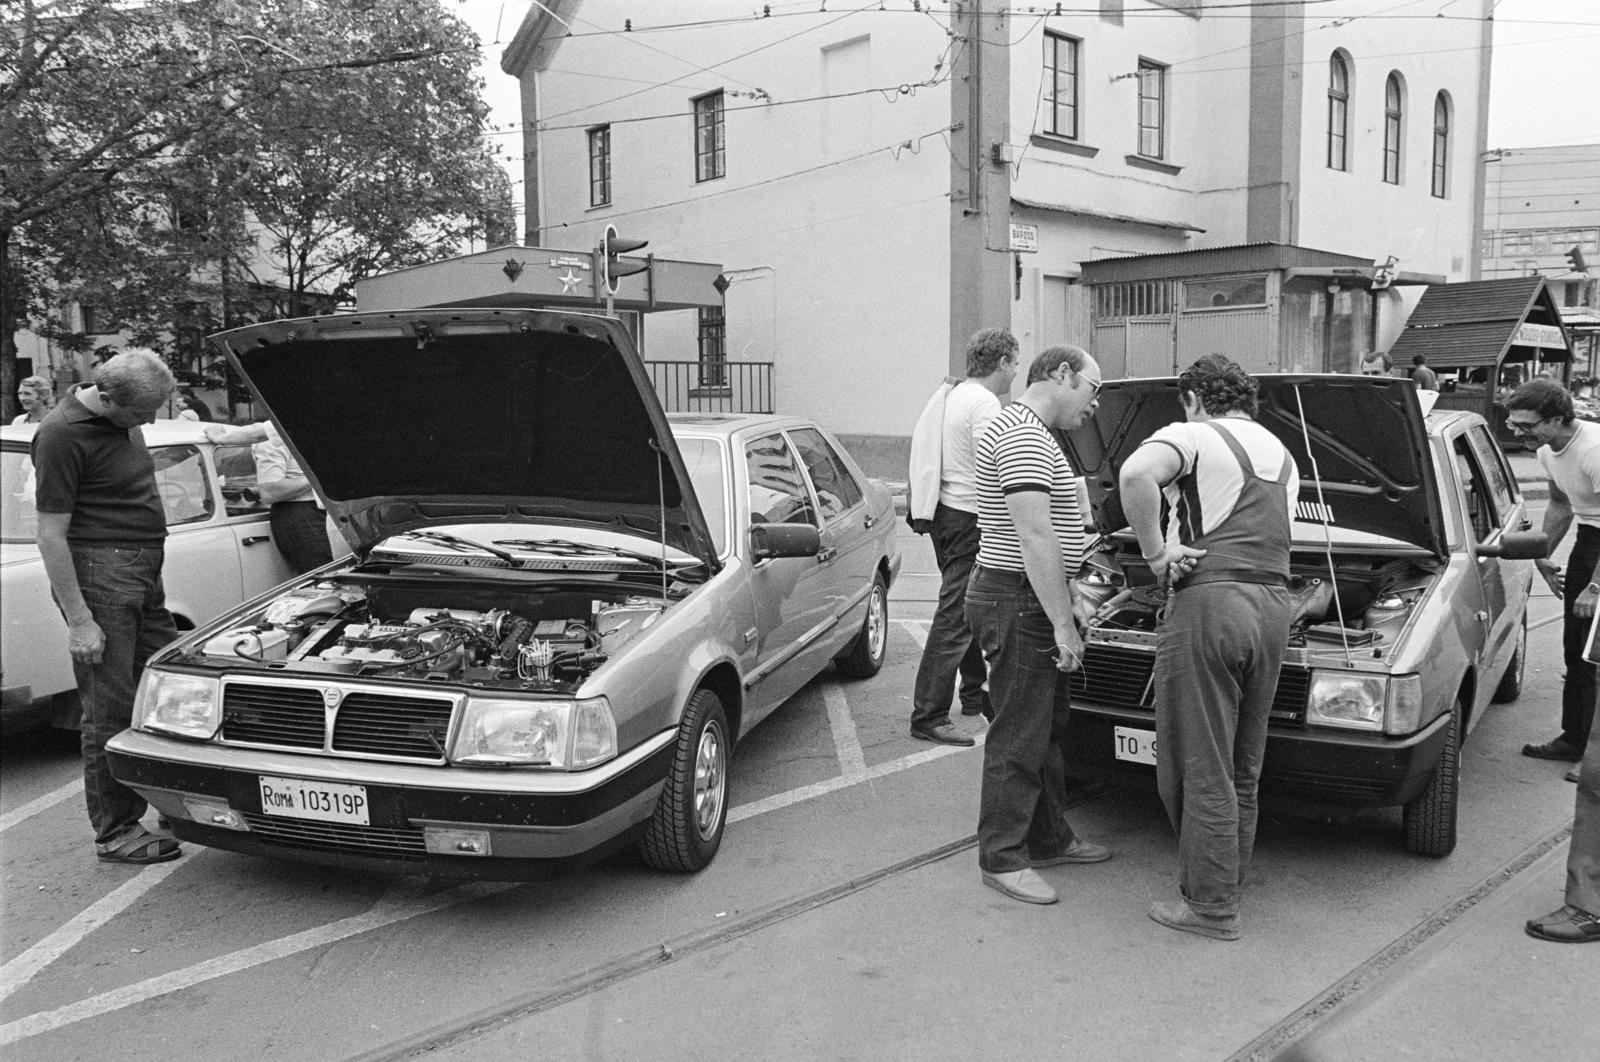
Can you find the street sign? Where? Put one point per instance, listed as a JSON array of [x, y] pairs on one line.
[[1024, 237]]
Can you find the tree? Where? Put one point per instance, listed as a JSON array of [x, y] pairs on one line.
[[172, 162]]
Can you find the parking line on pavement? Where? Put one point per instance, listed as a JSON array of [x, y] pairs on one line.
[[38, 804], [19, 971], [395, 906], [833, 785], [852, 761], [918, 629]]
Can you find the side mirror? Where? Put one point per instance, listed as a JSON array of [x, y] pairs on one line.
[[1518, 545], [784, 540]]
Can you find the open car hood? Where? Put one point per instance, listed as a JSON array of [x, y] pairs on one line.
[[1363, 437], [404, 419]]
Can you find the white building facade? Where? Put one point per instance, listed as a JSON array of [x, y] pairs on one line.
[[881, 182]]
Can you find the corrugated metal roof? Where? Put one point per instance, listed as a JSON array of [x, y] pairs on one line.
[[1210, 261], [1472, 324]]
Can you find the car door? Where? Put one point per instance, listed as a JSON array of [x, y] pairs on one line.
[[1489, 509], [261, 566], [794, 620], [848, 559]]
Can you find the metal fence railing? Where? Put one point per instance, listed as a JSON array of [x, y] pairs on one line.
[[713, 386]]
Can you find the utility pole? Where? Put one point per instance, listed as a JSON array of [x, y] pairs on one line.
[[981, 263]]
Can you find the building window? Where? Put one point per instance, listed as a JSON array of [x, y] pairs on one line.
[[709, 160], [1391, 130], [600, 165], [1441, 144], [1152, 109], [1338, 111], [713, 348], [1061, 85]]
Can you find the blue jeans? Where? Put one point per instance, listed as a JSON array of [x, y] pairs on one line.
[[950, 647], [1022, 806], [300, 531], [1578, 691], [122, 587]]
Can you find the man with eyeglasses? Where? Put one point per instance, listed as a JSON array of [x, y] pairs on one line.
[[1024, 616], [1541, 415]]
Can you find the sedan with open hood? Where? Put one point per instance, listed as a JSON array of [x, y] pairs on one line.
[[562, 611], [1411, 564]]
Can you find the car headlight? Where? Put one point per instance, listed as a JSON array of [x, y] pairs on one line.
[[568, 735], [183, 705], [1390, 703]]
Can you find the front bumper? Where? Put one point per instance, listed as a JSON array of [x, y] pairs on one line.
[[1317, 764], [536, 823]]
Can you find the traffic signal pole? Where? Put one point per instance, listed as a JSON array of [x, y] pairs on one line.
[[981, 263]]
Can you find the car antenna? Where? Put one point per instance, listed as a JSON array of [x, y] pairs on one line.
[[1322, 509]]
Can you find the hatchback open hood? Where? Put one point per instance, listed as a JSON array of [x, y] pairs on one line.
[[404, 419], [1364, 437]]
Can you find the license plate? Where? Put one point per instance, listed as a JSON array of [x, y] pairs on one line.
[[295, 798], [1135, 746]]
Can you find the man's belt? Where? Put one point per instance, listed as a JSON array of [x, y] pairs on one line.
[[1231, 575]]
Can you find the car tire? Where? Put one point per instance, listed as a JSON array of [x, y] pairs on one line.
[[1510, 687], [1430, 820], [686, 829], [863, 658]]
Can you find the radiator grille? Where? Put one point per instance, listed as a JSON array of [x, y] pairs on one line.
[[367, 722], [1119, 677], [290, 716], [337, 837]]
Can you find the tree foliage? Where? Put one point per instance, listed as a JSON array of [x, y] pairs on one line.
[[182, 164]]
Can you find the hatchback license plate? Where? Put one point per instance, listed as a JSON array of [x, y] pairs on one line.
[[1135, 746], [295, 798]]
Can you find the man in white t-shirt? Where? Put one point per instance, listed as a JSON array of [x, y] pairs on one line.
[[944, 499], [1540, 412], [1231, 487]]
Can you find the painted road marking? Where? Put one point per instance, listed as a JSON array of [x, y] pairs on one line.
[[19, 971], [38, 804], [852, 761]]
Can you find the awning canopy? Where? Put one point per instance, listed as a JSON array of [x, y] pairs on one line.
[[1482, 323]]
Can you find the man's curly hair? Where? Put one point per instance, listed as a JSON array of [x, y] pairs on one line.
[[988, 349], [1222, 385]]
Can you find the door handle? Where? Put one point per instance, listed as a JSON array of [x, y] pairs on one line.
[[825, 554], [869, 521], [256, 540]]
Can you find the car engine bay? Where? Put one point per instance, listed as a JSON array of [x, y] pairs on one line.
[[550, 638]]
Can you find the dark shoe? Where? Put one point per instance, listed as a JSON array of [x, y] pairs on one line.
[[1176, 914], [1022, 885], [972, 709], [1569, 925], [138, 846], [1554, 749], [943, 734], [1572, 775], [1079, 851]]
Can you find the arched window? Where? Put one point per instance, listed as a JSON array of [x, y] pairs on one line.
[[1392, 104], [1441, 144], [1338, 111]]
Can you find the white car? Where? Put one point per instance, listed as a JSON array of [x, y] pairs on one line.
[[219, 553]]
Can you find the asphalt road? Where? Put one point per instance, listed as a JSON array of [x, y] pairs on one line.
[[842, 919]]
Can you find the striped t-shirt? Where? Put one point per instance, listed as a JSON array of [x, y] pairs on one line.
[[1016, 452]]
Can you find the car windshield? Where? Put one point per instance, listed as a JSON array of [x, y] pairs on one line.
[[18, 521]]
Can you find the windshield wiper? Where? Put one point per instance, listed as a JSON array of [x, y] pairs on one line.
[[444, 538]]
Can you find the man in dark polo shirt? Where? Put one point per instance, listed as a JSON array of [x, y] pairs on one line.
[[102, 531]]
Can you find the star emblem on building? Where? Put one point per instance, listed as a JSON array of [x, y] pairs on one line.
[[569, 281]]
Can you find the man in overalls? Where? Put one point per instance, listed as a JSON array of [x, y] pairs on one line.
[[1231, 487]]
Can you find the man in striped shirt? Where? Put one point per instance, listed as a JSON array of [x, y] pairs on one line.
[[1022, 614]]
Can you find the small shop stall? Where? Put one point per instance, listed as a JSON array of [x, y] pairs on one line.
[[1485, 339]]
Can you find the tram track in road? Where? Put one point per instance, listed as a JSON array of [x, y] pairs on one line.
[[622, 968]]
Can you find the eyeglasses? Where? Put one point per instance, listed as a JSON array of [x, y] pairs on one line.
[[1524, 427]]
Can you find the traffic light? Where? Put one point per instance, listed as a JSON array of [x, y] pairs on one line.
[[1575, 257], [612, 268]]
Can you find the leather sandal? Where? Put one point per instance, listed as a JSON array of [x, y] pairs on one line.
[[138, 847]]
